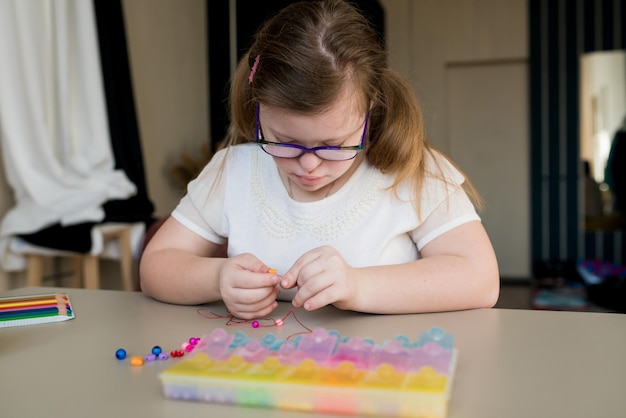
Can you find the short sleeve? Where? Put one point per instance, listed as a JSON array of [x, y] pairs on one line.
[[201, 210], [456, 210]]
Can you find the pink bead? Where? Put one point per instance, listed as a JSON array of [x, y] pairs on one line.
[[184, 346], [194, 341], [255, 324], [279, 322]]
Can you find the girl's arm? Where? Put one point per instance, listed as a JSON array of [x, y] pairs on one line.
[[458, 270], [180, 267], [177, 266]]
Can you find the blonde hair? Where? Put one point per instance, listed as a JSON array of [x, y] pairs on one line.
[[303, 57]]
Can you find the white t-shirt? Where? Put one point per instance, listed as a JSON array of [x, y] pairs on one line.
[[248, 204]]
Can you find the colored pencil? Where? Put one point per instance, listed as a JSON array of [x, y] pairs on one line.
[[35, 309]]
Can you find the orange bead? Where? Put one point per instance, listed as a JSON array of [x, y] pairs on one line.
[[136, 361]]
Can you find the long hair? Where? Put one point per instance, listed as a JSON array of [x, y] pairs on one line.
[[310, 52]]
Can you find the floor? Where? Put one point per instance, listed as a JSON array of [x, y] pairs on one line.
[[515, 296], [519, 295]]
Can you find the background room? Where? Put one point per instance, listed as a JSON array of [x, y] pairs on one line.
[[499, 86]]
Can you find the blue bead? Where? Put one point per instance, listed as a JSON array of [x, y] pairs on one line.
[[120, 354], [156, 350]]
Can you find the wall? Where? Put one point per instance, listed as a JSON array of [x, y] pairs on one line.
[[468, 63], [168, 56]]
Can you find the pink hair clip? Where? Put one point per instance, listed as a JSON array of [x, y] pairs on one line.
[[254, 68]]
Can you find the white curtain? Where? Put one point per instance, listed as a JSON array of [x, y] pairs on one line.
[[53, 124]]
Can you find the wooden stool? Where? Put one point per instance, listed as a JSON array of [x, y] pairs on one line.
[[85, 267]]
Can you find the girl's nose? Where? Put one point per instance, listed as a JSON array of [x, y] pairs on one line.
[[309, 161]]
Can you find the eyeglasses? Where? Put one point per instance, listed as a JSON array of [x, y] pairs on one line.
[[330, 152]]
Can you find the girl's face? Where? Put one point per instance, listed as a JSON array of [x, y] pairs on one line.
[[308, 177]]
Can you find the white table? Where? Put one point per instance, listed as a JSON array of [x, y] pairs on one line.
[[512, 363]]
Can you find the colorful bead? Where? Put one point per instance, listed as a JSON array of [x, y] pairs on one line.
[[255, 324], [194, 341], [177, 353], [150, 357], [156, 350], [279, 322], [136, 361], [120, 354], [185, 345], [163, 356]]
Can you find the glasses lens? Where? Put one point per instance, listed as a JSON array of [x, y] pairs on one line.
[[336, 154], [281, 151], [286, 151]]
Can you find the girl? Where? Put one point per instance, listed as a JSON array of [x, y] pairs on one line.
[[326, 191]]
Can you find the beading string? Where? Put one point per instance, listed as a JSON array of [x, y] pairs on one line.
[[262, 323]]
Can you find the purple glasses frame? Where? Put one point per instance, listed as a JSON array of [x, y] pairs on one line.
[[269, 147]]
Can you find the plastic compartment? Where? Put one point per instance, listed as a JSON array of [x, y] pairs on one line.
[[320, 372]]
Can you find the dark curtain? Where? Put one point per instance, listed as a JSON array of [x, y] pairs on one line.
[[124, 134], [121, 112], [559, 32]]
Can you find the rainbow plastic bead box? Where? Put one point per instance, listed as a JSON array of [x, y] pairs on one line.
[[319, 372]]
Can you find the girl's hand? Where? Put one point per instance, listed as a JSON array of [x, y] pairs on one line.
[[246, 287], [323, 277]]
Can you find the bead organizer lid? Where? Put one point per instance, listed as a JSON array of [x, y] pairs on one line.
[[321, 371]]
